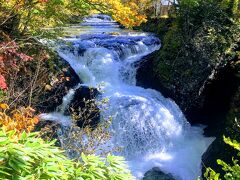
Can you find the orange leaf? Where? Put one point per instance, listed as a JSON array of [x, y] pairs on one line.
[[4, 106]]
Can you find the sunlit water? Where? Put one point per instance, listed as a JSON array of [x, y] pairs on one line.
[[150, 129]]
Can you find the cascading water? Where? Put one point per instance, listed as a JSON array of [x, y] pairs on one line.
[[151, 129]]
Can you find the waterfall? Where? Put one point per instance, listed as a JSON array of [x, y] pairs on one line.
[[151, 129]]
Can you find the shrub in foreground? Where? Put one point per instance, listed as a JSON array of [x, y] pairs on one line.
[[26, 156]]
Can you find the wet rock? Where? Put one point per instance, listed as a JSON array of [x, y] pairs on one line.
[[84, 92], [146, 77], [83, 107], [157, 174], [81, 51]]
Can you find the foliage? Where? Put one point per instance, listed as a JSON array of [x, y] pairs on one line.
[[128, 14], [2, 95], [26, 66], [10, 59], [233, 143], [29, 157], [24, 17], [113, 167], [31, 16], [3, 84], [87, 140], [208, 27], [20, 120], [232, 172], [202, 36]]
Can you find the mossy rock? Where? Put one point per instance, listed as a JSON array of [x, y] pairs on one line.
[[157, 174]]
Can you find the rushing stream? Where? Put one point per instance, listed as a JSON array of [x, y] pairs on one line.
[[150, 128]]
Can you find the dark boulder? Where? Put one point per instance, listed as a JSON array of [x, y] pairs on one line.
[[157, 174], [216, 95], [147, 78]]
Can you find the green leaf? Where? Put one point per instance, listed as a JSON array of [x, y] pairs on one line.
[[5, 173]]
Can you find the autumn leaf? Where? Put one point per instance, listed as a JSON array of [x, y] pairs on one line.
[[21, 119], [4, 106]]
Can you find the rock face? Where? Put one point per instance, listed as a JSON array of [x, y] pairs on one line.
[[157, 174], [146, 77], [83, 107]]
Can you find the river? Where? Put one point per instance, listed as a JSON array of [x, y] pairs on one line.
[[151, 129]]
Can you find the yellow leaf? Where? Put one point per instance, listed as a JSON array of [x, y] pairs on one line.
[[4, 106]]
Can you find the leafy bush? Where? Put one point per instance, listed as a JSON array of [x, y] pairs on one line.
[[24, 17], [232, 171], [10, 60], [207, 29], [20, 120], [29, 157]]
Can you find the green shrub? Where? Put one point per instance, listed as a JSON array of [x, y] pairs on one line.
[[29, 157], [232, 171]]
